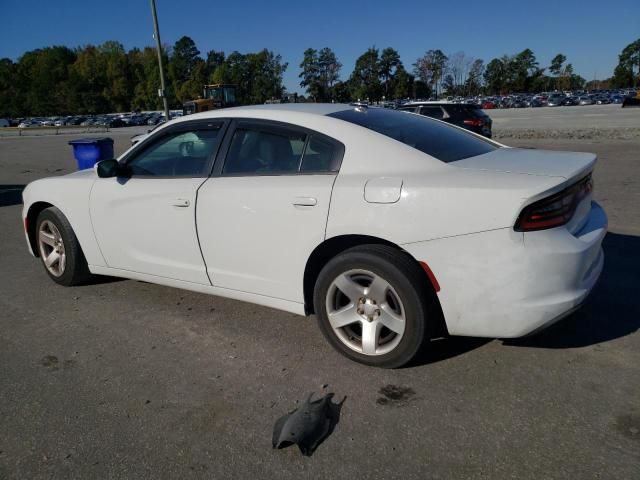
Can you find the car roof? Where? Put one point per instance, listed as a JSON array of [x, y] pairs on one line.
[[274, 108], [438, 103], [429, 102]]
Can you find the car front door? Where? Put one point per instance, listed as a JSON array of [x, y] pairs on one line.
[[145, 222], [265, 208]]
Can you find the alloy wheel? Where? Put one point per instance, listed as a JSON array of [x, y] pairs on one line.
[[52, 249], [365, 312]]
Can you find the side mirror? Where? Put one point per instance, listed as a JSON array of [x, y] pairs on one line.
[[109, 168]]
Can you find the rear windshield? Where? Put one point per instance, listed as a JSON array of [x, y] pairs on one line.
[[432, 137]]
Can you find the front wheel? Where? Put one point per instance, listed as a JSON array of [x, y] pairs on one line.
[[372, 305], [59, 249]]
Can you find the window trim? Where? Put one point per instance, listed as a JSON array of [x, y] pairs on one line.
[[266, 125], [180, 127]]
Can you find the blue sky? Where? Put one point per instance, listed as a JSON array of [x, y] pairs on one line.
[[590, 33]]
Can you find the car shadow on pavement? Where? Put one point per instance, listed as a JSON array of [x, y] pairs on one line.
[[611, 311], [444, 348], [101, 280], [11, 195]]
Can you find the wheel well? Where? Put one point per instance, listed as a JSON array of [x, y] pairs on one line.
[[32, 217], [336, 245]]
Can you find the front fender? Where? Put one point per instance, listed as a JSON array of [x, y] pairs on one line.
[[70, 194]]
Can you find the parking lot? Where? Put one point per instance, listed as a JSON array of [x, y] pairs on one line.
[[125, 379], [609, 117]]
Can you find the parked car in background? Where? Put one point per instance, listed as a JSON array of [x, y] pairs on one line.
[[465, 115], [555, 99], [29, 124], [536, 102], [585, 100], [4, 123], [115, 123]]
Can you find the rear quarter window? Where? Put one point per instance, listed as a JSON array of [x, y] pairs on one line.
[[437, 139]]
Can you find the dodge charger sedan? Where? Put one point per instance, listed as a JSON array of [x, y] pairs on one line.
[[391, 227]]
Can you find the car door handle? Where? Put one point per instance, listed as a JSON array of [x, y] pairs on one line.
[[181, 202], [304, 201]]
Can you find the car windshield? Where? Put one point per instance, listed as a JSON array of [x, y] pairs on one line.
[[432, 137]]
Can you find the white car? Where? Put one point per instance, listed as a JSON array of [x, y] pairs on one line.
[[391, 227], [29, 124]]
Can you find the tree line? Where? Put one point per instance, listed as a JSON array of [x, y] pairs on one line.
[[107, 78]]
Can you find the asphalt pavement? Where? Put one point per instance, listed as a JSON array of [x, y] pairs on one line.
[[125, 379]]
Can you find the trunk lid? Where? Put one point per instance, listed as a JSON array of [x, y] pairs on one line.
[[546, 163]]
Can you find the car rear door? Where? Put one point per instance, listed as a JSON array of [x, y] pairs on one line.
[[265, 208], [145, 222]]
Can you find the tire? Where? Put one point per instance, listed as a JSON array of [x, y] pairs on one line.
[[383, 299], [54, 236]]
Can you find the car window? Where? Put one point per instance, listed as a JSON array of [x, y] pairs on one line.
[[432, 111], [320, 156], [297, 145], [264, 151], [437, 139], [179, 154]]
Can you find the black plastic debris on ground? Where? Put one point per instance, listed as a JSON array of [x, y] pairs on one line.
[[309, 425]]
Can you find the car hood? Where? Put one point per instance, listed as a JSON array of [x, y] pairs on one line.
[[545, 163], [87, 172]]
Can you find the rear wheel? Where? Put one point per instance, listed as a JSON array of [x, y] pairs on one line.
[[59, 249], [372, 305]]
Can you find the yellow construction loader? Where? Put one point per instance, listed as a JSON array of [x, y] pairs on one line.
[[215, 96]]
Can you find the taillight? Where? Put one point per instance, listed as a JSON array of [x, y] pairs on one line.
[[555, 210], [474, 122]]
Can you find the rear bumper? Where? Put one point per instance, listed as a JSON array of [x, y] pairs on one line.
[[507, 284]]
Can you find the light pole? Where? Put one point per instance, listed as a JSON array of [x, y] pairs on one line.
[[156, 30]]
